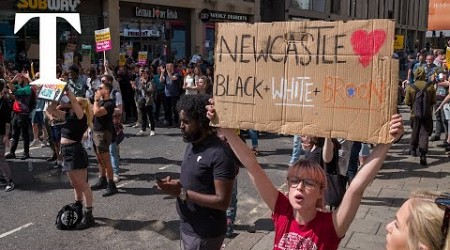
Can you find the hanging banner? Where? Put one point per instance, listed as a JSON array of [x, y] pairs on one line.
[[102, 40], [142, 57]]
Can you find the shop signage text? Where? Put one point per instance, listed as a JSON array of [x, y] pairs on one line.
[[210, 15], [49, 5], [157, 13]]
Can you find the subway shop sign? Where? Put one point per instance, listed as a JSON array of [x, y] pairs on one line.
[[48, 5]]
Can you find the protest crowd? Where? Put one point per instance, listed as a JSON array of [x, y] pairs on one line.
[[326, 177]]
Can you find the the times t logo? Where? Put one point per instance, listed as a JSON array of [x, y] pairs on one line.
[[47, 41]]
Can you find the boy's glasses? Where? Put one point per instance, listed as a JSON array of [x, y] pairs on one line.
[[294, 181], [444, 229]]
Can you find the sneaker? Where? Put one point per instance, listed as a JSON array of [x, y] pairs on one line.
[[116, 178], [10, 186], [141, 133], [100, 184], [35, 143], [10, 156], [44, 143], [152, 133], [110, 190], [137, 125]]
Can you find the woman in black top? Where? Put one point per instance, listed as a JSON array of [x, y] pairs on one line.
[[77, 116]]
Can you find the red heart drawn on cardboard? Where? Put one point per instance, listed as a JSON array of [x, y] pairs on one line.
[[366, 45]]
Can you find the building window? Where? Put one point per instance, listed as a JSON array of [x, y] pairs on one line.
[[336, 7], [314, 5]]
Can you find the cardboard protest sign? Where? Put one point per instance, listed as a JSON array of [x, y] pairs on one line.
[[68, 58], [328, 79], [102, 40], [33, 51], [142, 57], [86, 62], [122, 59], [129, 48], [399, 42], [51, 92], [447, 56]]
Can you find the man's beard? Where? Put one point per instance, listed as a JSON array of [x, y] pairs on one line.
[[192, 137]]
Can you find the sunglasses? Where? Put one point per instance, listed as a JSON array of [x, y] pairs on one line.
[[445, 202], [294, 181], [103, 80]]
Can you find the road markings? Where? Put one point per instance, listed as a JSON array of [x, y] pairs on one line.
[[15, 230], [166, 166], [126, 183]]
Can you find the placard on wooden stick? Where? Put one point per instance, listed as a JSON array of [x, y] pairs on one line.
[[329, 79]]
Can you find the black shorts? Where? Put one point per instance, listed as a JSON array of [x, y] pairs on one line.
[[75, 157]]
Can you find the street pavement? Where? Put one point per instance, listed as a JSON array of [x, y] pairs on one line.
[[140, 217]]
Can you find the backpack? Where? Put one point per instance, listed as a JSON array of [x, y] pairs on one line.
[[118, 127], [421, 102], [69, 216]]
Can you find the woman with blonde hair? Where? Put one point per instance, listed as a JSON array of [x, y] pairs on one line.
[[421, 223], [78, 117]]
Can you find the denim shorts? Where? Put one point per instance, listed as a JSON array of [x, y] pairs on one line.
[[37, 117], [56, 133]]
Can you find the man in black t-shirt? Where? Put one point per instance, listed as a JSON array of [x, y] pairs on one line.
[[206, 179], [103, 135]]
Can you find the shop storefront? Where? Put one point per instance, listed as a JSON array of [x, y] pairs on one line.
[[158, 30], [209, 18], [15, 47]]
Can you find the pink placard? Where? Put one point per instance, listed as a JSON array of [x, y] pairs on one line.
[[103, 46]]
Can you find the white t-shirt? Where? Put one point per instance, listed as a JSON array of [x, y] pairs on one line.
[[190, 83]]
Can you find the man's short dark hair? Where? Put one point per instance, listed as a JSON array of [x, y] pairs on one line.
[[109, 78], [195, 108], [74, 68], [108, 86]]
